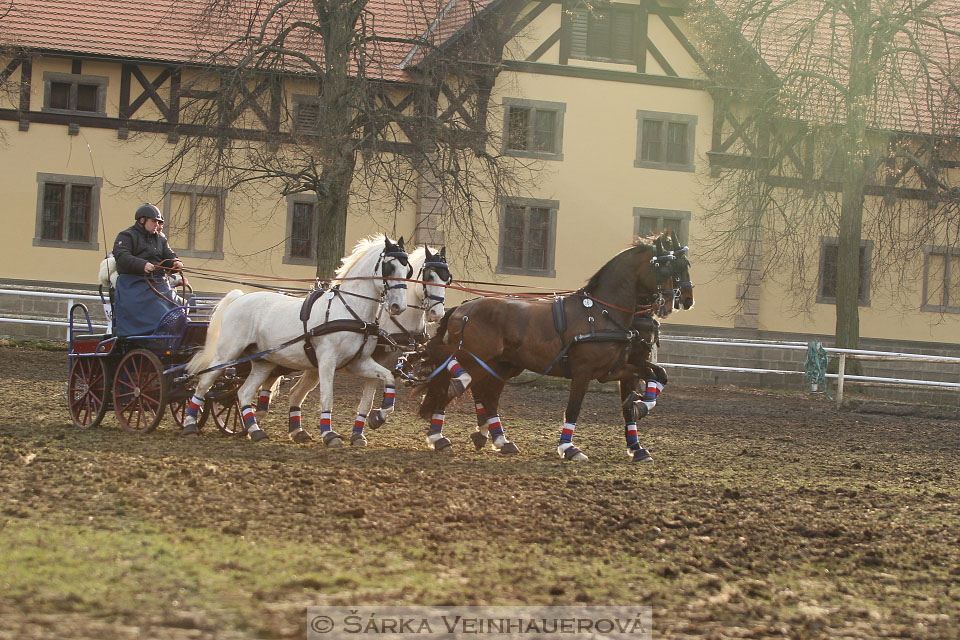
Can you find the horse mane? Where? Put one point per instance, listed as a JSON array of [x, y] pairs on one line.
[[359, 251], [638, 244]]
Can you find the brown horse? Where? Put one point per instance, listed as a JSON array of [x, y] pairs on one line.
[[582, 336]]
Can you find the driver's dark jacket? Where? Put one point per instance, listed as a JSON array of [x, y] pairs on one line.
[[135, 247]]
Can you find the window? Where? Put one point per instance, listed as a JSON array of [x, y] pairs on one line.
[[829, 253], [194, 220], [665, 140], [301, 227], [73, 93], [648, 222], [533, 128], [603, 33], [67, 211], [306, 114], [941, 280], [528, 231]]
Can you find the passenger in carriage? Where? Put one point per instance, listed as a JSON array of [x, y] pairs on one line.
[[143, 258]]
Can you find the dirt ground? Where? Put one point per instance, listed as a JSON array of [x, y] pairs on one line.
[[765, 515]]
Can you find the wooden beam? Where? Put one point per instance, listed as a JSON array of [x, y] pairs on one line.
[[603, 74], [641, 25], [661, 60], [529, 17], [544, 46]]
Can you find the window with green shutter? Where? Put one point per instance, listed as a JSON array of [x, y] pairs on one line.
[[603, 33]]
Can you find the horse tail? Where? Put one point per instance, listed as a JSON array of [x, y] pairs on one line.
[[202, 359]]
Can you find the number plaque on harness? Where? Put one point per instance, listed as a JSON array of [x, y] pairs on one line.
[[587, 302], [330, 295]]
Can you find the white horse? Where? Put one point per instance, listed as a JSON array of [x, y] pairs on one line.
[[425, 300], [261, 321]]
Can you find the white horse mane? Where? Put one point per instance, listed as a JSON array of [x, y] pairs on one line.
[[359, 251]]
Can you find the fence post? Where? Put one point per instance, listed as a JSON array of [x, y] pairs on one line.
[[841, 365]]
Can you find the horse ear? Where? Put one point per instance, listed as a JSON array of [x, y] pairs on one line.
[[676, 242], [443, 251], [400, 242], [426, 251]]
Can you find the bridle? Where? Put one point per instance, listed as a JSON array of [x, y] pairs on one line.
[[439, 267]]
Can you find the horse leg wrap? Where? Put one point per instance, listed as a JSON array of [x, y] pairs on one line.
[[263, 403], [460, 379], [481, 414], [654, 388], [194, 404], [254, 432], [357, 439], [500, 442], [297, 432]]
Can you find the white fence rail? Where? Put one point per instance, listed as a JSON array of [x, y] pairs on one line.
[[841, 377]]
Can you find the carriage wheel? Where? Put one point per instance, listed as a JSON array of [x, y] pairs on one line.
[[88, 391], [178, 411], [226, 415], [139, 391]]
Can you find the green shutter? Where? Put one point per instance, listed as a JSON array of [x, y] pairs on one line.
[[578, 33]]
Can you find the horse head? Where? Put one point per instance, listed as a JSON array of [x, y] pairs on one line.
[[436, 275], [394, 268], [673, 273]]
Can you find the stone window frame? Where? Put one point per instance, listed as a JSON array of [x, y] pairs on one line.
[[559, 108], [292, 201], [551, 248], [69, 180], [667, 118], [74, 79], [866, 271], [193, 190], [683, 233], [947, 252]]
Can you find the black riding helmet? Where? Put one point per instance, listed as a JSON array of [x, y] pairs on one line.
[[148, 211]]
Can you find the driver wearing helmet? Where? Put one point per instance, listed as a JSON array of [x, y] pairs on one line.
[[143, 292], [141, 247]]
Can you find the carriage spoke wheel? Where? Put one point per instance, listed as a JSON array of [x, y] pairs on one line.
[[139, 391], [178, 411], [88, 391], [226, 414]]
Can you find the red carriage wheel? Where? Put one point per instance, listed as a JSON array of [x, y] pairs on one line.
[[178, 411], [226, 414], [139, 391], [88, 391]]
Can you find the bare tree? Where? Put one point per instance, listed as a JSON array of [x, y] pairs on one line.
[[360, 129], [836, 118]]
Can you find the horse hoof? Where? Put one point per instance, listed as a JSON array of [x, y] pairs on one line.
[[190, 430], [300, 436], [641, 455], [332, 439], [258, 435], [376, 420], [479, 439], [358, 440], [509, 449], [443, 445], [572, 453], [456, 387]]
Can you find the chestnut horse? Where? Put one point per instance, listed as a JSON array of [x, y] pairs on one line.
[[583, 336]]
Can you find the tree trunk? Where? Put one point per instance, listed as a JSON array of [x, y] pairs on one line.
[[852, 141], [330, 238]]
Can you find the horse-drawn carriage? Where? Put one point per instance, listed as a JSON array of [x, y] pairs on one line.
[[141, 377]]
